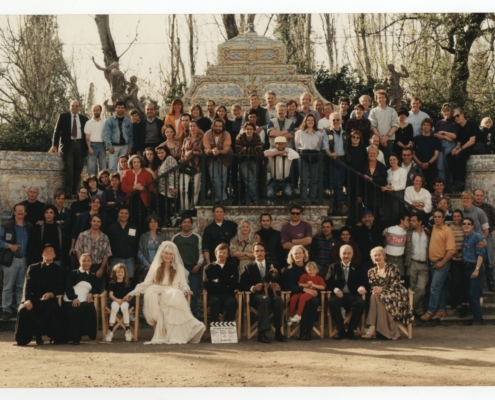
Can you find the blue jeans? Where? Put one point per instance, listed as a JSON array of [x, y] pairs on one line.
[[100, 157], [113, 159], [437, 288], [13, 281], [309, 174], [474, 289], [489, 269], [194, 280], [249, 172], [338, 173], [218, 174], [443, 168], [129, 263], [274, 187]]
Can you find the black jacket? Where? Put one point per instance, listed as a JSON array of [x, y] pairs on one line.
[[221, 281], [251, 276], [62, 135], [335, 277], [139, 133]]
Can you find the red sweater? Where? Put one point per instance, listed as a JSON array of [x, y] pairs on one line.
[[317, 280], [129, 180]]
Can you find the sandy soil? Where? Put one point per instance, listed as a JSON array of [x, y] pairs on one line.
[[436, 356]]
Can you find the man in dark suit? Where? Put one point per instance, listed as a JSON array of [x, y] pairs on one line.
[[221, 279], [252, 280], [70, 141], [346, 281]]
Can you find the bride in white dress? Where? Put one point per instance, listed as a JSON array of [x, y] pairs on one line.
[[165, 288]]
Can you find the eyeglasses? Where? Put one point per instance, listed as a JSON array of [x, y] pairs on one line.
[[295, 213], [467, 223], [457, 116]]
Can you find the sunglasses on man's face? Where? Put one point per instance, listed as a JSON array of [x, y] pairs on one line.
[[295, 213]]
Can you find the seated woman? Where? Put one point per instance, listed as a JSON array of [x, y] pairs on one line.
[[241, 245], [389, 302], [297, 259], [39, 313], [79, 310], [346, 238], [165, 305], [418, 197]]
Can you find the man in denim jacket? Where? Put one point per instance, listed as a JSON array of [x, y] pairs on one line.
[[117, 135]]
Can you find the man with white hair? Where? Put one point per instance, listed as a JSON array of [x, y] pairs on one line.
[[346, 281], [35, 209]]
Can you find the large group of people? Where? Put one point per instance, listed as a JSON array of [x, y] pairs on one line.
[[77, 253], [364, 159]]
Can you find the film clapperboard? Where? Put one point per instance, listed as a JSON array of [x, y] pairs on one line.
[[223, 332]]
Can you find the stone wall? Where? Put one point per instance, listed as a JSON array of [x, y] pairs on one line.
[[20, 170], [480, 174]]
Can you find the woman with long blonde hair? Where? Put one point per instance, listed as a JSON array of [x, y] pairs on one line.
[[165, 306]]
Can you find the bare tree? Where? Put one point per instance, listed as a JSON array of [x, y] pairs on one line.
[[106, 39], [329, 29], [193, 43], [36, 81], [230, 25]]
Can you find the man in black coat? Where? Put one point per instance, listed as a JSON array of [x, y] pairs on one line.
[[221, 279], [346, 281], [39, 313], [368, 235], [70, 141], [252, 281], [149, 130]]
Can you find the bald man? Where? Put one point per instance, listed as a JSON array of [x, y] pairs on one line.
[[346, 280]]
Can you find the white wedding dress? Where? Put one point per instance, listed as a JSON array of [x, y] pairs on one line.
[[166, 305]]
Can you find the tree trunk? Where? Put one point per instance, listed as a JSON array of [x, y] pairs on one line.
[[329, 31], [362, 31], [230, 25], [192, 59], [459, 74], [307, 31], [107, 43]]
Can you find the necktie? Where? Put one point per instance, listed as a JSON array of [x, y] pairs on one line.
[[74, 128], [262, 270], [346, 272]]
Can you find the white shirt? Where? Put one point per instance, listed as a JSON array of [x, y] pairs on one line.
[[323, 123], [94, 129], [395, 239], [419, 243], [415, 120], [281, 169], [423, 196], [397, 178], [78, 122]]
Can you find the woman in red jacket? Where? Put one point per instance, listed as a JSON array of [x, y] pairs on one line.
[[135, 179]]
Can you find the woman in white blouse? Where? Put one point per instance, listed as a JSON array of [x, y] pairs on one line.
[[165, 305], [394, 191], [417, 196]]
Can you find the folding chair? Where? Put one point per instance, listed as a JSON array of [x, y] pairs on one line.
[[96, 298], [294, 328], [332, 331], [251, 330], [238, 316], [407, 330], [119, 320]]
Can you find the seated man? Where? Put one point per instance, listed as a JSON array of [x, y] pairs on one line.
[[221, 278], [280, 159], [346, 281], [252, 280], [39, 313]]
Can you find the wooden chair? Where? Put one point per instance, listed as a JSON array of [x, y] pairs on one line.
[[332, 331], [251, 330], [119, 320], [407, 330], [238, 316], [319, 330]]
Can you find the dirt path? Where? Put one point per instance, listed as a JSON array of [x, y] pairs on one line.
[[439, 356]]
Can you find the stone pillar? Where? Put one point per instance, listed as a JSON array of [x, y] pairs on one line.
[[480, 174], [19, 170]]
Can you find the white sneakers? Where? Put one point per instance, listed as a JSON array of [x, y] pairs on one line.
[[109, 336], [296, 318], [128, 336]]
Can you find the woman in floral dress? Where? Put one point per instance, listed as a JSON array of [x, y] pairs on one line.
[[389, 303]]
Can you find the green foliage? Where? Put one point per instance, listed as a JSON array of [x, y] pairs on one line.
[[346, 82], [20, 135], [177, 91]]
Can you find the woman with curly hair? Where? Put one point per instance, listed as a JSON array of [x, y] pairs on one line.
[[241, 245]]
